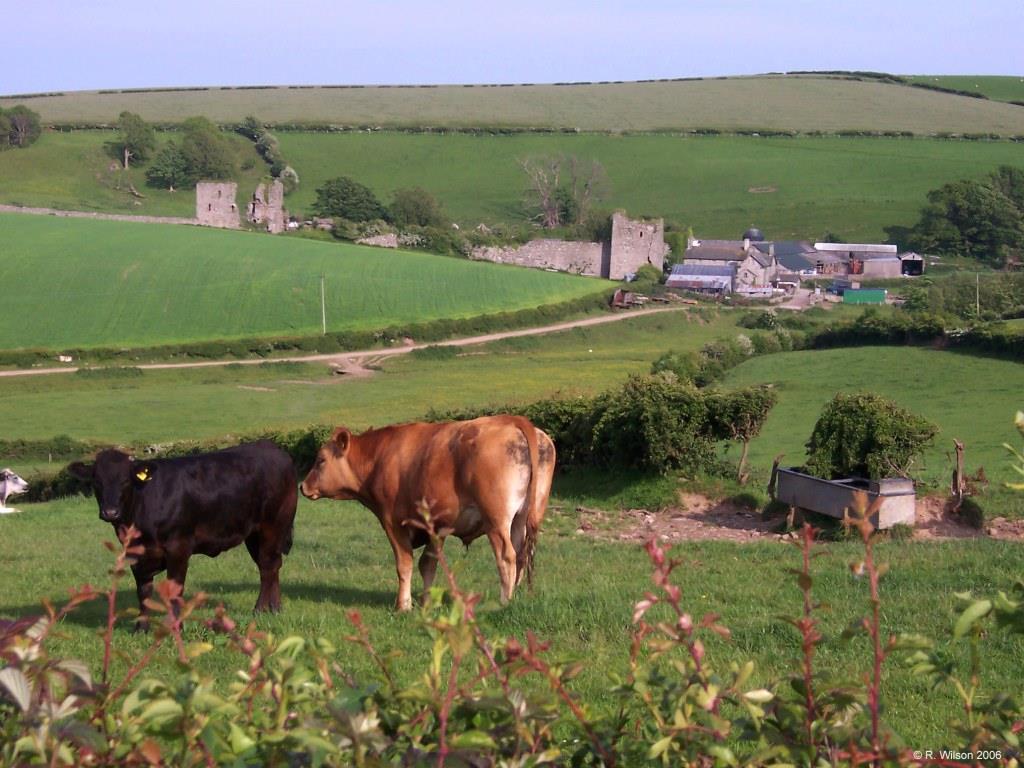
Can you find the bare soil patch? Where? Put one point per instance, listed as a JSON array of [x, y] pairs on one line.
[[762, 190], [698, 518]]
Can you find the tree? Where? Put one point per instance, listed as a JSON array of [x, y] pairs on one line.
[[344, 198], [417, 207], [168, 168], [741, 415], [24, 126], [207, 153], [5, 131], [136, 139], [975, 219], [561, 189], [866, 435]]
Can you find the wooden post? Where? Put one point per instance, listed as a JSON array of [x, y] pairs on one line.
[[959, 486], [774, 478]]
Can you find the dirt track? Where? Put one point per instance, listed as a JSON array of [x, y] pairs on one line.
[[352, 359]]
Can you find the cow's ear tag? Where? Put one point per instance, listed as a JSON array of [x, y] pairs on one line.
[[142, 475]]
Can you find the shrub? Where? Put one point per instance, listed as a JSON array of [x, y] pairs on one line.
[[345, 198], [866, 435]]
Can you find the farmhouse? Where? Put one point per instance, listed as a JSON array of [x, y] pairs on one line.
[[753, 259], [634, 243]]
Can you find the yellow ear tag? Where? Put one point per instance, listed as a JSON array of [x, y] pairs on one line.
[[143, 474]]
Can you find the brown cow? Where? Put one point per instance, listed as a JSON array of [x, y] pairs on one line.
[[489, 476]]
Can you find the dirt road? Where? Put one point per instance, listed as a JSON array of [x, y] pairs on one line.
[[352, 359]]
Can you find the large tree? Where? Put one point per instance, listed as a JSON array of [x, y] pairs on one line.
[[207, 152], [345, 198], [204, 153], [136, 139], [561, 189], [983, 220], [24, 127]]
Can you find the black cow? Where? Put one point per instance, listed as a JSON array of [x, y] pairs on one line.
[[202, 504]]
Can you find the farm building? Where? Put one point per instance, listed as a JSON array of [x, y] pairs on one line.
[[873, 259], [754, 259], [715, 279]]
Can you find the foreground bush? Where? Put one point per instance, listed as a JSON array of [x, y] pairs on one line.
[[293, 703]]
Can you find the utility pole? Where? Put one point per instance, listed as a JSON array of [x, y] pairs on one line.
[[323, 306], [977, 295]]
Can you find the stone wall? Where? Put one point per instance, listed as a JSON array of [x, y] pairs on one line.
[[215, 204], [635, 243], [578, 258], [267, 207]]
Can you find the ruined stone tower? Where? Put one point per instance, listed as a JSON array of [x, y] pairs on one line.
[[635, 243], [215, 204], [267, 207]]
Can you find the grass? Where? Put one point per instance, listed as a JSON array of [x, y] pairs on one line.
[[970, 398], [801, 103], [73, 282], [72, 171], [998, 87], [212, 402], [720, 185], [581, 604], [790, 187]]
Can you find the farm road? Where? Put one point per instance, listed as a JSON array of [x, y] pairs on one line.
[[353, 360]]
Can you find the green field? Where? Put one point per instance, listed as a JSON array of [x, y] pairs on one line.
[[791, 188], [972, 399], [72, 171], [998, 87], [70, 282], [210, 402], [801, 103]]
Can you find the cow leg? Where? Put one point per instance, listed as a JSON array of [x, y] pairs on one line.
[[144, 571], [269, 563], [428, 568], [505, 556], [177, 570], [403, 565]]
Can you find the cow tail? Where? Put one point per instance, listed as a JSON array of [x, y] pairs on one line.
[[532, 513]]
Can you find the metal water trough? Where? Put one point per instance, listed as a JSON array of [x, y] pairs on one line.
[[834, 497]]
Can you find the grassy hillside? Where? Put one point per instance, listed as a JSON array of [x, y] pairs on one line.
[[72, 171], [792, 187], [971, 399], [801, 103], [90, 283], [998, 87]]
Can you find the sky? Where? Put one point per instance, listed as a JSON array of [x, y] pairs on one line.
[[65, 45]]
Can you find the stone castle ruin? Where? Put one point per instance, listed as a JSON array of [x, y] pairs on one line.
[[216, 205], [267, 207], [634, 243]]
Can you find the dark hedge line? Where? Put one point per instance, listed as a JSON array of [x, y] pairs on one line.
[[337, 341]]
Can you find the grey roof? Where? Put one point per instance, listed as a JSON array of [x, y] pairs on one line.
[[797, 262], [785, 247], [703, 269], [725, 250], [857, 247]]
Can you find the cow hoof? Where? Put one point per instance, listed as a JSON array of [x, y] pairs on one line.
[[141, 627]]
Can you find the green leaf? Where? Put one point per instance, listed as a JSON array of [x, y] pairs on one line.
[[473, 740], [722, 755], [240, 741], [974, 612], [659, 747], [161, 713], [760, 696], [291, 646]]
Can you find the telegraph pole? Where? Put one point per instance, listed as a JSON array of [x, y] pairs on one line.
[[977, 295], [323, 306]]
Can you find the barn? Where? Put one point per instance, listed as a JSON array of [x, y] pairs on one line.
[[715, 279]]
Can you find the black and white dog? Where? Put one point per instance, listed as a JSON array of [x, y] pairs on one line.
[[10, 485]]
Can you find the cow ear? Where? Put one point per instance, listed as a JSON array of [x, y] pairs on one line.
[[81, 471], [341, 438], [142, 472]]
